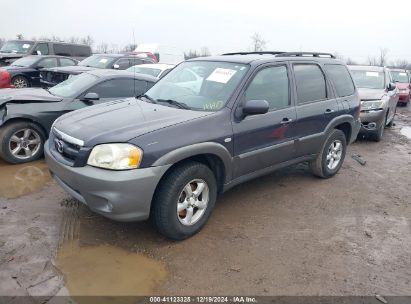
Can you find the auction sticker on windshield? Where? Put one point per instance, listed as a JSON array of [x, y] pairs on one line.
[[26, 46], [103, 60], [221, 75]]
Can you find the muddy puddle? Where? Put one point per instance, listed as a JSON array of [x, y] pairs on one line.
[[406, 131], [107, 271], [19, 180]]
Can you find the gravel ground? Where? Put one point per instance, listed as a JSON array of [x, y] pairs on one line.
[[287, 233]]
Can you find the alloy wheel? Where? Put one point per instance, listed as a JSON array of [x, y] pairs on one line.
[[25, 143], [192, 202], [334, 154]]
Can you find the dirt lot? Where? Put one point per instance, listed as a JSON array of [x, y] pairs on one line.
[[284, 234]]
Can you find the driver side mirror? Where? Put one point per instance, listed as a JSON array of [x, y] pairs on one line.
[[254, 107], [391, 86], [90, 96]]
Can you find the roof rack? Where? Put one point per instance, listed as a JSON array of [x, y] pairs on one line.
[[305, 54], [255, 53]]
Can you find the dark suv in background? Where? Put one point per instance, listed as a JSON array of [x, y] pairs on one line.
[[15, 49], [53, 76], [167, 154]]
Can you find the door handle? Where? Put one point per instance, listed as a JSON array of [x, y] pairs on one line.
[[286, 120], [328, 111]]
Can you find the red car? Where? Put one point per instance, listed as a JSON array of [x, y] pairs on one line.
[[5, 79], [402, 79]]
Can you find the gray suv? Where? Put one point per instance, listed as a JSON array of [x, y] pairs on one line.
[[210, 124], [379, 97]]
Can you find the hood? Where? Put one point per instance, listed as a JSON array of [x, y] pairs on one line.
[[75, 69], [10, 55], [371, 94], [27, 95], [402, 86], [121, 120], [7, 58]]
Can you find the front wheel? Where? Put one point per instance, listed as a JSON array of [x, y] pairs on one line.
[[21, 142], [184, 200], [331, 157], [20, 82]]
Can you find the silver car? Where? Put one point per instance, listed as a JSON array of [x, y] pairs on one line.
[[379, 96]]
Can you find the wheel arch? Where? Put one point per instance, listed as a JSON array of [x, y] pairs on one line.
[[11, 120], [345, 123]]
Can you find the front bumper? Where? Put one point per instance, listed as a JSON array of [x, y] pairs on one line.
[[118, 195], [371, 121], [404, 97]]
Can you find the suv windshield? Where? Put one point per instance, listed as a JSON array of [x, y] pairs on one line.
[[208, 91], [98, 61], [25, 61], [401, 77], [73, 86], [368, 79], [19, 47]]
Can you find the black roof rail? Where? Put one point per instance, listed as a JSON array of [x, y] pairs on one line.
[[255, 53], [305, 54]]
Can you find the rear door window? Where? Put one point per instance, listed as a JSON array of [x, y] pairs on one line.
[[341, 79], [48, 63], [62, 49], [80, 50], [114, 88], [66, 62], [310, 82]]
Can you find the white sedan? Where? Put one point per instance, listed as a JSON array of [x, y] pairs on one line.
[[157, 70]]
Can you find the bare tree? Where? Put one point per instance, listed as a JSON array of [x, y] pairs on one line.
[[349, 61], [258, 43], [191, 54], [2, 41], [102, 48], [129, 47], [372, 60], [20, 37], [383, 58], [400, 63], [204, 52], [88, 40]]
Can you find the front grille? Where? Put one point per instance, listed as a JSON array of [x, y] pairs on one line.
[[68, 150]]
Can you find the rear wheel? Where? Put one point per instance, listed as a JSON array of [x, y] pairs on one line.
[[331, 157], [20, 82], [21, 142], [184, 200]]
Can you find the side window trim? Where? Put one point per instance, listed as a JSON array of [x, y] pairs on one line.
[[250, 79], [328, 94]]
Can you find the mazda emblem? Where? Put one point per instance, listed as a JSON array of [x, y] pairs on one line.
[[60, 146]]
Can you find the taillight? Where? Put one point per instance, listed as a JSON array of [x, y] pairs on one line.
[[5, 79]]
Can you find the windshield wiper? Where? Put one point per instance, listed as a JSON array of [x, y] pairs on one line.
[[148, 98], [49, 91], [180, 105]]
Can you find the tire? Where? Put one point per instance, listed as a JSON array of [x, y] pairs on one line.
[[172, 192], [25, 138], [377, 136], [321, 166], [20, 82]]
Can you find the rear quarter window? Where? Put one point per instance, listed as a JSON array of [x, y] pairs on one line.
[[62, 49], [341, 79]]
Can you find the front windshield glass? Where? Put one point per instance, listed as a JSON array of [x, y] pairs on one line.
[[73, 86], [208, 91], [98, 61], [401, 77], [145, 71], [25, 61], [368, 79], [16, 47]]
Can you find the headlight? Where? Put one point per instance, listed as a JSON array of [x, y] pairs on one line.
[[115, 156], [372, 104]]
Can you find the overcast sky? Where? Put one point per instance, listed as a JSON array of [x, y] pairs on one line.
[[353, 28]]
